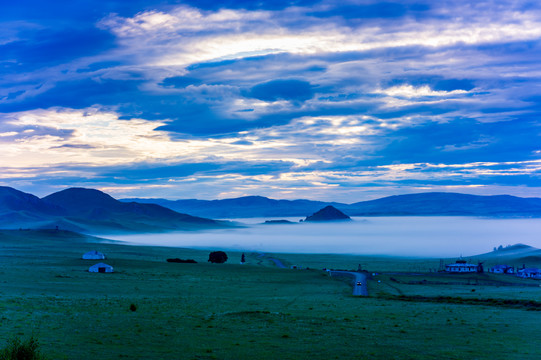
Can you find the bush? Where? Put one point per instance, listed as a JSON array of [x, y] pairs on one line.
[[18, 350], [187, 261], [218, 257]]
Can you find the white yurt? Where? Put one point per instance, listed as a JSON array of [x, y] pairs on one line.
[[93, 255], [101, 268]]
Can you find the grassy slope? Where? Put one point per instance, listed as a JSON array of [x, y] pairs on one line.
[[253, 311]]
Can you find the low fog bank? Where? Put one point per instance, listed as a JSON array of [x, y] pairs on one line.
[[395, 236]]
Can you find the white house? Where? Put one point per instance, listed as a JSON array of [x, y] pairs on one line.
[[532, 273], [101, 268], [461, 266], [93, 255], [502, 269]]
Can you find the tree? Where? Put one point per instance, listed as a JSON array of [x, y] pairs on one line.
[[217, 257]]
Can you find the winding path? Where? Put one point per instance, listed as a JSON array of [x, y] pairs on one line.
[[358, 278], [276, 262], [360, 286]]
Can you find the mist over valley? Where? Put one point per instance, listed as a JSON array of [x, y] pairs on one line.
[[394, 236]]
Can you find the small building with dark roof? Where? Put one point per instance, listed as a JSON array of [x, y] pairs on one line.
[[101, 268]]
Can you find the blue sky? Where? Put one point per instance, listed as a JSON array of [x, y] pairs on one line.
[[329, 100]]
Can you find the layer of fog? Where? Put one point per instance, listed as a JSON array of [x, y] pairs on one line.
[[396, 236]]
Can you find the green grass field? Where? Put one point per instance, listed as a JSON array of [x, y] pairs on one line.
[[251, 311]]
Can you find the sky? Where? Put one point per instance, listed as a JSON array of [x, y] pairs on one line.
[[325, 100]]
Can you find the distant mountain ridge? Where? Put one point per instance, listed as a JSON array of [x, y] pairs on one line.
[[421, 204], [91, 211], [438, 203], [243, 207]]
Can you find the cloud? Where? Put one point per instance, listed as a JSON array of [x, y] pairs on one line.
[[288, 96], [179, 81], [296, 90], [44, 47], [409, 91]]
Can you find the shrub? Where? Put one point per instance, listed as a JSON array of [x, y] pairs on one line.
[[18, 350], [218, 257], [187, 261]]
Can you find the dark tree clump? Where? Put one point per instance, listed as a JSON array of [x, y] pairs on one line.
[[187, 261], [218, 257]]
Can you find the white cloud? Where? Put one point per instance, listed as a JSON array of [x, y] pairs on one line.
[[410, 91], [6, 134], [187, 35]]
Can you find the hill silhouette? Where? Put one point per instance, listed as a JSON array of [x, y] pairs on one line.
[[12, 200], [328, 213], [92, 211]]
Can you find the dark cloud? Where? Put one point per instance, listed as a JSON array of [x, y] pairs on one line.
[[195, 119], [99, 66], [27, 132], [179, 82], [77, 94], [50, 47], [464, 141], [143, 172], [248, 4], [76, 11], [295, 90], [148, 172], [75, 146], [365, 11], [243, 142], [454, 84], [388, 12]]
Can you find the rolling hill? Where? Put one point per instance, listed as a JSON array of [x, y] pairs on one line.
[[92, 211], [518, 255]]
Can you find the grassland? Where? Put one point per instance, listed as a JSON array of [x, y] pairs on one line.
[[251, 311]]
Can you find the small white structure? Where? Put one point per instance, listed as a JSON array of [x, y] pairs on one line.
[[461, 266], [502, 269], [530, 273], [93, 255], [101, 268]]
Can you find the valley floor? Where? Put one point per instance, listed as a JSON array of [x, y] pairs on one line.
[[151, 309]]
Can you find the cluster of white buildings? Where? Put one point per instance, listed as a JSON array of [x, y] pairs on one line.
[[527, 273], [531, 273], [461, 266]]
